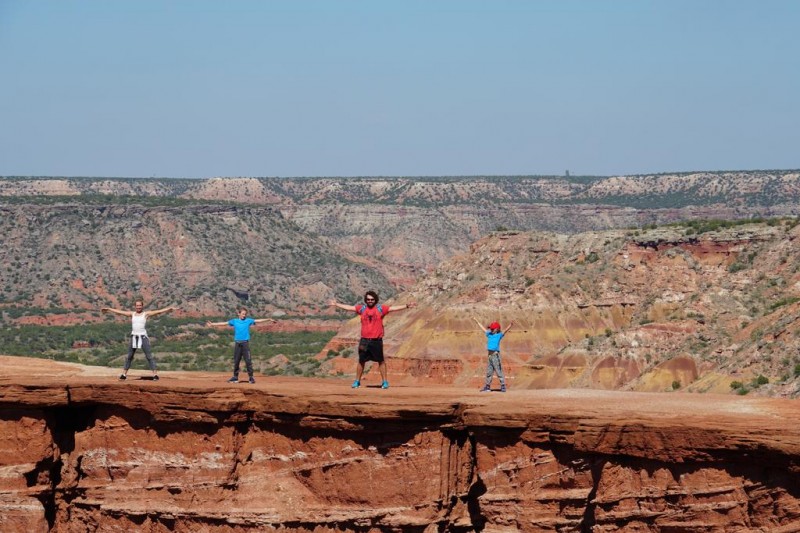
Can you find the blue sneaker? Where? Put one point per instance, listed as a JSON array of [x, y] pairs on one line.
[[503, 388], [385, 385], [356, 384], [485, 389]]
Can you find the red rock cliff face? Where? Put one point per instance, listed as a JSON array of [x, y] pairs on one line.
[[81, 452]]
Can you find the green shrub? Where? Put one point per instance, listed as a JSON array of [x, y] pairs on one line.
[[783, 301], [736, 267], [676, 385]]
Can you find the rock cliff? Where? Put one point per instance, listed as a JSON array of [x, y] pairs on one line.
[[649, 310], [80, 451]]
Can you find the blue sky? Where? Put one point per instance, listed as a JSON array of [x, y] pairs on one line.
[[415, 88]]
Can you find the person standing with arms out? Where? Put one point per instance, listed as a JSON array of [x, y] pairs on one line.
[[370, 347], [241, 341], [493, 337], [139, 339]]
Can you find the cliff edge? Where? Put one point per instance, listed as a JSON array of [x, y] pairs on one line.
[[80, 451]]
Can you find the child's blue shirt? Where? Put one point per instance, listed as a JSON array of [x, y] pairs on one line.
[[241, 328], [493, 340]]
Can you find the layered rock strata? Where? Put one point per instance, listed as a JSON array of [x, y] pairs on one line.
[[651, 310], [82, 452]]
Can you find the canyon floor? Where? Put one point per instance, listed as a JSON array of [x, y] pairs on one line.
[[80, 451]]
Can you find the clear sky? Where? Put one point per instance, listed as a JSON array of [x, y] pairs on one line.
[[199, 88]]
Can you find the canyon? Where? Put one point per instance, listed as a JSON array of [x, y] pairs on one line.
[[655, 307], [402, 227], [697, 308], [80, 451], [622, 317]]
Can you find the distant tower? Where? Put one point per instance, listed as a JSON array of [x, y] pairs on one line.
[[566, 174]]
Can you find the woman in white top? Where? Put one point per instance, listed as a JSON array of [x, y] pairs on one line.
[[138, 333]]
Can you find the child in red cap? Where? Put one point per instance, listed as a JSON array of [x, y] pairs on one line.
[[494, 334]]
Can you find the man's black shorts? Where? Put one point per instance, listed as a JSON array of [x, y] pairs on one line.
[[370, 350]]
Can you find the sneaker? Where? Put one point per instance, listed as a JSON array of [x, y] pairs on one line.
[[356, 384], [485, 389], [123, 377], [385, 385], [155, 377], [234, 379], [503, 388], [252, 380]]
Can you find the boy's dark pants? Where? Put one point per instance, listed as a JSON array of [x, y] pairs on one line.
[[242, 348]]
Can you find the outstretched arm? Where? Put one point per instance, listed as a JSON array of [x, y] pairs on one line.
[[509, 327], [214, 324], [120, 312], [260, 320], [343, 307], [161, 311], [483, 329], [400, 307]]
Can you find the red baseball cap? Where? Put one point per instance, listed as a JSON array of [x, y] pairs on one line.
[[495, 325]]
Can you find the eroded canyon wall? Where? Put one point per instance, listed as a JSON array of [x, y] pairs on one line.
[[191, 454], [650, 310]]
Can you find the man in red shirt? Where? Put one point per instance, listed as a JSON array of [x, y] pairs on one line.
[[370, 347]]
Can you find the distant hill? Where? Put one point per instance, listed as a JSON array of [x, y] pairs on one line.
[[756, 188], [207, 259], [407, 225]]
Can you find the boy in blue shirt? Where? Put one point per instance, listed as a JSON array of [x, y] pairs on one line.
[[241, 340], [493, 336]]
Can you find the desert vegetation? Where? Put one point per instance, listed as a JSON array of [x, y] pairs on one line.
[[178, 344]]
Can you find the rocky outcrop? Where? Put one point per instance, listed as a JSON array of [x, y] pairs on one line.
[[80, 451], [647, 310]]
